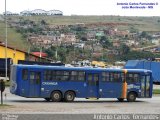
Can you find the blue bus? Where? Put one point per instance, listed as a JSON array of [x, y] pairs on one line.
[[59, 83]]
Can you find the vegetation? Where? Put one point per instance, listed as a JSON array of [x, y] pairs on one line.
[[7, 83], [156, 91], [5, 106], [38, 25], [138, 23], [14, 39]]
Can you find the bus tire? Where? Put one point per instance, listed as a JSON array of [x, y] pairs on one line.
[[56, 96], [131, 97], [69, 96], [120, 99], [47, 99]]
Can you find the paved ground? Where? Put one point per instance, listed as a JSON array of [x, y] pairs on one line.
[[30, 105]]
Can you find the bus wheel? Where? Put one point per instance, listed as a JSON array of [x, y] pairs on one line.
[[47, 99], [120, 99], [131, 97], [69, 96], [56, 96]]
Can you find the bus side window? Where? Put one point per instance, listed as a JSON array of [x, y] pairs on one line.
[[136, 77], [47, 75], [77, 76], [105, 76], [65, 76], [73, 76], [90, 79], [38, 77], [35, 77], [31, 77], [96, 79], [132, 78], [81, 75], [24, 74]]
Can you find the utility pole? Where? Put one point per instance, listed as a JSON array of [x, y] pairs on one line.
[[6, 38]]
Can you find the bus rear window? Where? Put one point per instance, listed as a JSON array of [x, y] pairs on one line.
[[24, 74]]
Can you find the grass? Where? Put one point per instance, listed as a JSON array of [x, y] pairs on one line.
[[14, 39], [156, 91], [7, 83], [141, 23], [5, 106]]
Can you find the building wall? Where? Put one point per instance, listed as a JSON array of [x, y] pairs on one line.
[[15, 55]]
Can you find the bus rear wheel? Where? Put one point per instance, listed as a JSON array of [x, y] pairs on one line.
[[56, 96], [120, 99], [131, 97], [69, 96]]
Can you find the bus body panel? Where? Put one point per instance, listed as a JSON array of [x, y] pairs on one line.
[[48, 87], [110, 90], [31, 82]]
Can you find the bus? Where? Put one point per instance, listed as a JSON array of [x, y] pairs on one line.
[[59, 83]]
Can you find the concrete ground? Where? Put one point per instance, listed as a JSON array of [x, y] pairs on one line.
[[79, 106]]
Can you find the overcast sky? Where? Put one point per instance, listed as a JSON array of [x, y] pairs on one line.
[[81, 7]]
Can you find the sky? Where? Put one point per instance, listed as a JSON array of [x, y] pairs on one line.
[[81, 7]]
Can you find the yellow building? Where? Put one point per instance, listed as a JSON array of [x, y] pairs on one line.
[[12, 53], [16, 55]]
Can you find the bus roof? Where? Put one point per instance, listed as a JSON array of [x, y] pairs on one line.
[[80, 68]]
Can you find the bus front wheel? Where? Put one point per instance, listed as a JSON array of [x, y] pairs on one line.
[[69, 96], [56, 96], [131, 97]]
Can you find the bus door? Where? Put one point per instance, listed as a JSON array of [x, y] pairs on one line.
[[35, 83], [111, 84], [145, 86], [92, 84]]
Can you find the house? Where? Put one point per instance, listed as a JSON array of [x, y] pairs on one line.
[[91, 35], [156, 41], [116, 43], [131, 43], [79, 45], [16, 54], [68, 38]]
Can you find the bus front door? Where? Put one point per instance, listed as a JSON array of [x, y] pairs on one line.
[[35, 79], [93, 85], [145, 86]]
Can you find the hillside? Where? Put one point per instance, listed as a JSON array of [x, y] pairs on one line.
[[140, 23], [14, 39], [151, 24]]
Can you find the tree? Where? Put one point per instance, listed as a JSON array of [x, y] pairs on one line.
[[43, 22], [144, 34], [124, 49], [83, 38], [104, 41]]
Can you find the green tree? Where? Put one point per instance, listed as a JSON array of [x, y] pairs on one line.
[[144, 34], [43, 22], [124, 49], [104, 41]]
